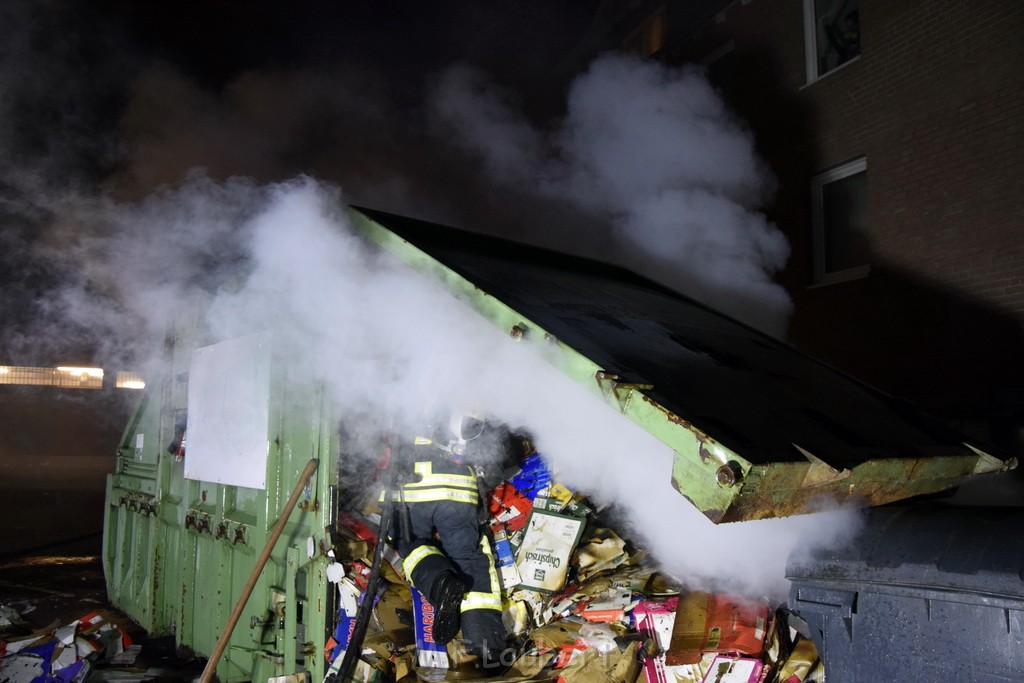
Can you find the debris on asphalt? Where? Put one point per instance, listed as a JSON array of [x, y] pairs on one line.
[[95, 648], [10, 619], [63, 652]]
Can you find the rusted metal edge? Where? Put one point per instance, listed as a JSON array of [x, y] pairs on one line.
[[716, 480], [703, 454], [791, 488]]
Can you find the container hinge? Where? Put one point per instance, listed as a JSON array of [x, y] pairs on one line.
[[612, 386], [990, 464], [820, 472]]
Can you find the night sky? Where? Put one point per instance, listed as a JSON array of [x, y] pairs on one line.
[[69, 68], [506, 118], [108, 100], [93, 95]]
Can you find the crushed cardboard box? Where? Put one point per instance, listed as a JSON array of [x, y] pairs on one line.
[[65, 653], [580, 601]]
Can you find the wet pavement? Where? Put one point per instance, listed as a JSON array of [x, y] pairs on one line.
[[61, 582], [54, 458]]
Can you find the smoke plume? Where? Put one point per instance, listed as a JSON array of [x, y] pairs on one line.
[[212, 203], [283, 258], [651, 153], [647, 168]]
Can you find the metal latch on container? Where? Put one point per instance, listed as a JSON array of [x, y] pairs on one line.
[[224, 530], [199, 522], [144, 506], [828, 601]]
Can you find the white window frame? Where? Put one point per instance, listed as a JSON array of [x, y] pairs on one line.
[[818, 184], [811, 46]]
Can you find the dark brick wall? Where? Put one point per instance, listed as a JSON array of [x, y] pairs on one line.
[[935, 104]]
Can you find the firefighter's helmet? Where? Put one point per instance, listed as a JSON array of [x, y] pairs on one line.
[[466, 425]]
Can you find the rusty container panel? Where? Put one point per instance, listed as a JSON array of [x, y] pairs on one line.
[[759, 429]]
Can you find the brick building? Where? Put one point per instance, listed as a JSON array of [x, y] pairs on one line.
[[895, 132]]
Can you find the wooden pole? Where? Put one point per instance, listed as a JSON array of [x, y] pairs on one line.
[[261, 561]]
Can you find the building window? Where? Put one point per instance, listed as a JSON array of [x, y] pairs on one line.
[[648, 39], [831, 35], [839, 206]]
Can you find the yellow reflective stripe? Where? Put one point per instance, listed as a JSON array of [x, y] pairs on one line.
[[434, 487], [425, 469], [431, 495], [480, 601], [485, 545], [416, 556], [458, 480]]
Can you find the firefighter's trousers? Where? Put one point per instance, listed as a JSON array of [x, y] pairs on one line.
[[465, 551]]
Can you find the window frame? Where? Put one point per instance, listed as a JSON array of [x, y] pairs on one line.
[[818, 227], [811, 46]]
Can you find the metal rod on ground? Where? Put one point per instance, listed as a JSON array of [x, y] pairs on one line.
[[261, 561]]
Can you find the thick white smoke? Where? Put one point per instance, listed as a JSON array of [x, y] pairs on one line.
[[647, 163], [388, 341], [652, 151], [647, 168]]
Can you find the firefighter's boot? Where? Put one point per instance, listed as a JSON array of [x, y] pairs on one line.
[[446, 595], [484, 635]]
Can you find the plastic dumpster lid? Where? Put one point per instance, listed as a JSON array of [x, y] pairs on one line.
[[963, 550], [759, 429]]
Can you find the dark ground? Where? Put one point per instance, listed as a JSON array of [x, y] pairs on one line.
[[54, 582], [56, 448], [58, 583]]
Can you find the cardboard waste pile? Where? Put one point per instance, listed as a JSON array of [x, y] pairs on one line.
[[61, 653], [582, 604]]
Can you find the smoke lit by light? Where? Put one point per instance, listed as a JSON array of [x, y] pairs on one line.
[[647, 162]]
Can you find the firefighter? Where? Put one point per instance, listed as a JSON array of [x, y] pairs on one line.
[[448, 559]]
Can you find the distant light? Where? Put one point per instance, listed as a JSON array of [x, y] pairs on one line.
[[128, 380], [67, 377], [82, 372]]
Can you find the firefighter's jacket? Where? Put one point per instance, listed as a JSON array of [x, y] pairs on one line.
[[441, 479]]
